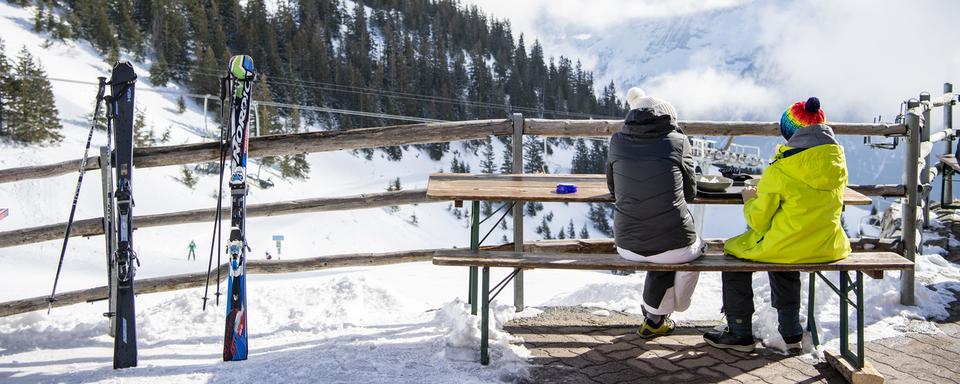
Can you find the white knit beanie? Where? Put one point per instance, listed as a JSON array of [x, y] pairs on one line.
[[639, 100]]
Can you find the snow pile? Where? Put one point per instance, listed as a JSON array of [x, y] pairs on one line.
[[337, 329]]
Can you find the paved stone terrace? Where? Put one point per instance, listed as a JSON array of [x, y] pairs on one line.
[[571, 345]]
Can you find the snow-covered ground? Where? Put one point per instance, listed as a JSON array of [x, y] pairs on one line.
[[400, 323]]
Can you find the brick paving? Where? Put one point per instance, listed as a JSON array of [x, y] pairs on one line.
[[571, 345]]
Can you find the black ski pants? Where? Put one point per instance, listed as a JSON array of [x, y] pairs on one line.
[[738, 292]]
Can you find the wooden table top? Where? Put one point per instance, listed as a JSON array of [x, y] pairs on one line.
[[591, 188]]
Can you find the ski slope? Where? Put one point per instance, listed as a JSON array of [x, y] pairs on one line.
[[401, 323]]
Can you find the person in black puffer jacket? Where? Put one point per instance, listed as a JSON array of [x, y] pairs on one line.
[[650, 172]]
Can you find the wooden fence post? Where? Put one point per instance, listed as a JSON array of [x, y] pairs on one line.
[[946, 194], [925, 141], [908, 226], [517, 120]]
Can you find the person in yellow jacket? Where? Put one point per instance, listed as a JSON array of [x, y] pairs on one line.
[[794, 218]]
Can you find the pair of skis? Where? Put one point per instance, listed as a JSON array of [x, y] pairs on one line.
[[120, 108], [238, 84], [120, 114]]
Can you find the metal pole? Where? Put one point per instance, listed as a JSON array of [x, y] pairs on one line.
[[106, 181], [925, 173], [205, 132], [908, 233], [474, 248], [256, 117], [947, 192], [517, 120]]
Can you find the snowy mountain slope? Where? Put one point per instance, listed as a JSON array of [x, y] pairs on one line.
[[730, 60], [403, 323]]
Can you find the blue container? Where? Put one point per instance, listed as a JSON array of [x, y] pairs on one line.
[[564, 189]]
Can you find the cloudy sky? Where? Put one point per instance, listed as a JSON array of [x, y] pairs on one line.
[[861, 57]]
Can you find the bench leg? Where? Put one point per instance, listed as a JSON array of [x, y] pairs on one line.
[[857, 360], [811, 313], [485, 317], [475, 248]]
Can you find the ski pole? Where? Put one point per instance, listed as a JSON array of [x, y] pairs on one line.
[[76, 193], [217, 217]]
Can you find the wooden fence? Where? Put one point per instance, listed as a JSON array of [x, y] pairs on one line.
[[289, 144]]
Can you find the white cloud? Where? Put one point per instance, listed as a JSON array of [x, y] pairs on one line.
[[705, 93], [526, 15], [861, 57]]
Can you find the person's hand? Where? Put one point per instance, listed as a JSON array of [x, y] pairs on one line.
[[748, 193]]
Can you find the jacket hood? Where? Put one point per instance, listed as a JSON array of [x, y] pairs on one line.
[[812, 136], [823, 167], [648, 123]]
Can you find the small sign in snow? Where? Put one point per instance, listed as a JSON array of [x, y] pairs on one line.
[[277, 237]]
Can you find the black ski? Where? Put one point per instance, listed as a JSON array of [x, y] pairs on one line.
[[120, 114]]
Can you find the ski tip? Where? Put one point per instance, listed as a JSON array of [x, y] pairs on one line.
[[241, 67], [122, 73]]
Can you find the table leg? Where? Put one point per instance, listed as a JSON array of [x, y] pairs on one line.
[[858, 290], [811, 313], [844, 314], [485, 317], [475, 248]]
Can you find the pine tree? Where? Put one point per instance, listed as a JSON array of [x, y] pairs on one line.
[[533, 161], [584, 233], [181, 105], [127, 30], [581, 158], [597, 157], [507, 165], [560, 234], [6, 88], [95, 25], [187, 177], [544, 229], [394, 185], [143, 136], [571, 233], [488, 162], [32, 115], [598, 216]]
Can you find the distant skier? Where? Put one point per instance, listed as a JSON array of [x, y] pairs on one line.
[[268, 255], [192, 255]]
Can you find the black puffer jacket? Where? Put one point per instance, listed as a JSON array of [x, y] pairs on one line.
[[650, 171]]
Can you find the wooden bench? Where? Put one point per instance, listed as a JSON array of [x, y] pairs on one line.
[[861, 262]]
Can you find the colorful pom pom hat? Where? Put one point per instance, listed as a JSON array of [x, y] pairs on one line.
[[801, 114]]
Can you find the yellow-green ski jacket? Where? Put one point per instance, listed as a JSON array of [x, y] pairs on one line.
[[795, 217]]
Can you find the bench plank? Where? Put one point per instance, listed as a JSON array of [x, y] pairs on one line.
[[710, 262]]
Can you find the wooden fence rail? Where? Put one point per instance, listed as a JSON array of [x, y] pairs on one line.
[[549, 127], [94, 227], [194, 280], [289, 144]]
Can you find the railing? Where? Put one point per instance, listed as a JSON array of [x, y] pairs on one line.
[[516, 127], [920, 174]]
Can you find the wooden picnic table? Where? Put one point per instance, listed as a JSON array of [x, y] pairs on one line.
[[591, 188]]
